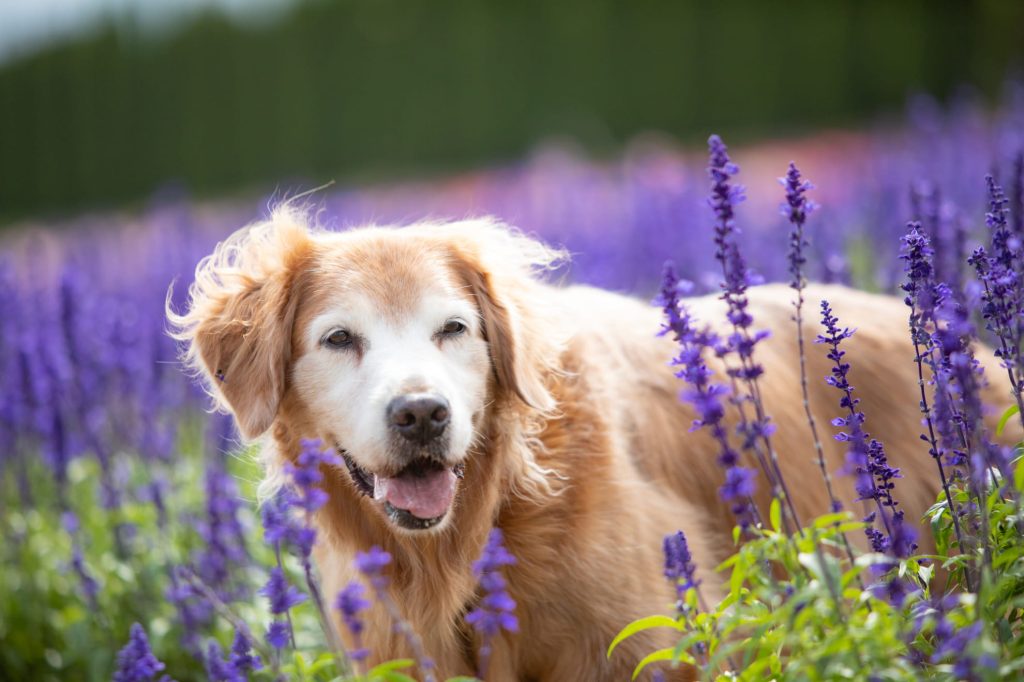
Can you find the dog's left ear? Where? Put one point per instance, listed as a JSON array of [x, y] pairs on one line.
[[238, 325], [500, 266]]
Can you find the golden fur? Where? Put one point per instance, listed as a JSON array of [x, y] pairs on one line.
[[583, 455]]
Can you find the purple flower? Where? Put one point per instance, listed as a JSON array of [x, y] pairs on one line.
[[278, 634], [724, 195], [280, 594], [999, 273], [739, 484], [865, 458], [351, 602], [136, 662], [705, 396], [496, 609], [960, 421], [217, 669], [893, 590], [194, 610], [1017, 195], [736, 277], [222, 534], [755, 429], [679, 566], [307, 476], [278, 525], [796, 209], [372, 564], [242, 661], [953, 641]]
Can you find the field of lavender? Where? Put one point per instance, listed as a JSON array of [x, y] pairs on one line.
[[135, 547]]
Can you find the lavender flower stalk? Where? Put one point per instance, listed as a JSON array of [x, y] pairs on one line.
[[496, 611], [736, 279], [705, 396], [351, 602], [681, 572], [1017, 196], [679, 567], [796, 208], [372, 564], [223, 537], [1003, 298], [136, 662], [866, 458], [307, 476], [242, 661], [923, 295], [277, 529]]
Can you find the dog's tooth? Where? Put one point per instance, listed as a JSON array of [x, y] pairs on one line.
[[380, 488]]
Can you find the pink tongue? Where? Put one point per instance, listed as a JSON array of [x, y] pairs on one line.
[[425, 497]]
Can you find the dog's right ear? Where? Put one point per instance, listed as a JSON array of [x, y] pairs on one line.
[[241, 310]]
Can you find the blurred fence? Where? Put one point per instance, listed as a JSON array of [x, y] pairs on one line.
[[378, 87]]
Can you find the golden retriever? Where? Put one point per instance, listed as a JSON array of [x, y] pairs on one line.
[[466, 394]]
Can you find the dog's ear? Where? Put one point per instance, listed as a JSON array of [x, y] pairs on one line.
[[238, 325], [500, 267]]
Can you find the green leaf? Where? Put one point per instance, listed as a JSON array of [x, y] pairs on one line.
[[775, 514], [1010, 411], [393, 676], [830, 519], [390, 666], [660, 655], [644, 624]]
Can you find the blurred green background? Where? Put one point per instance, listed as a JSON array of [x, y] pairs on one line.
[[369, 89]]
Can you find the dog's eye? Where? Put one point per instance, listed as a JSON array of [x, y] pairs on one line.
[[453, 328], [339, 338]]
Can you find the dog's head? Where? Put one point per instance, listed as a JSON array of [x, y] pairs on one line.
[[390, 344]]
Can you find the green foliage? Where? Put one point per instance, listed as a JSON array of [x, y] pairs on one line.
[[50, 630], [795, 609]]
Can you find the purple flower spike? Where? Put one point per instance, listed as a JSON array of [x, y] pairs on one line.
[[739, 484], [796, 209], [372, 564], [136, 662], [999, 272], [865, 457], [307, 476], [278, 634], [703, 394], [242, 661], [679, 566], [217, 669], [280, 594], [351, 602], [496, 611], [724, 195], [223, 546]]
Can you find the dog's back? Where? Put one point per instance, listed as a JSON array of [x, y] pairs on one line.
[[620, 335]]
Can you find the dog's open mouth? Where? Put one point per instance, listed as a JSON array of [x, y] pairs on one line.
[[417, 497]]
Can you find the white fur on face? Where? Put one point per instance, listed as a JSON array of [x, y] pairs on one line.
[[347, 390]]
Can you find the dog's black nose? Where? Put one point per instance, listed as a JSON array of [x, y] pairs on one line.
[[420, 417]]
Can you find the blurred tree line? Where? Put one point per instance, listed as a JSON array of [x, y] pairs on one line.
[[357, 89]]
